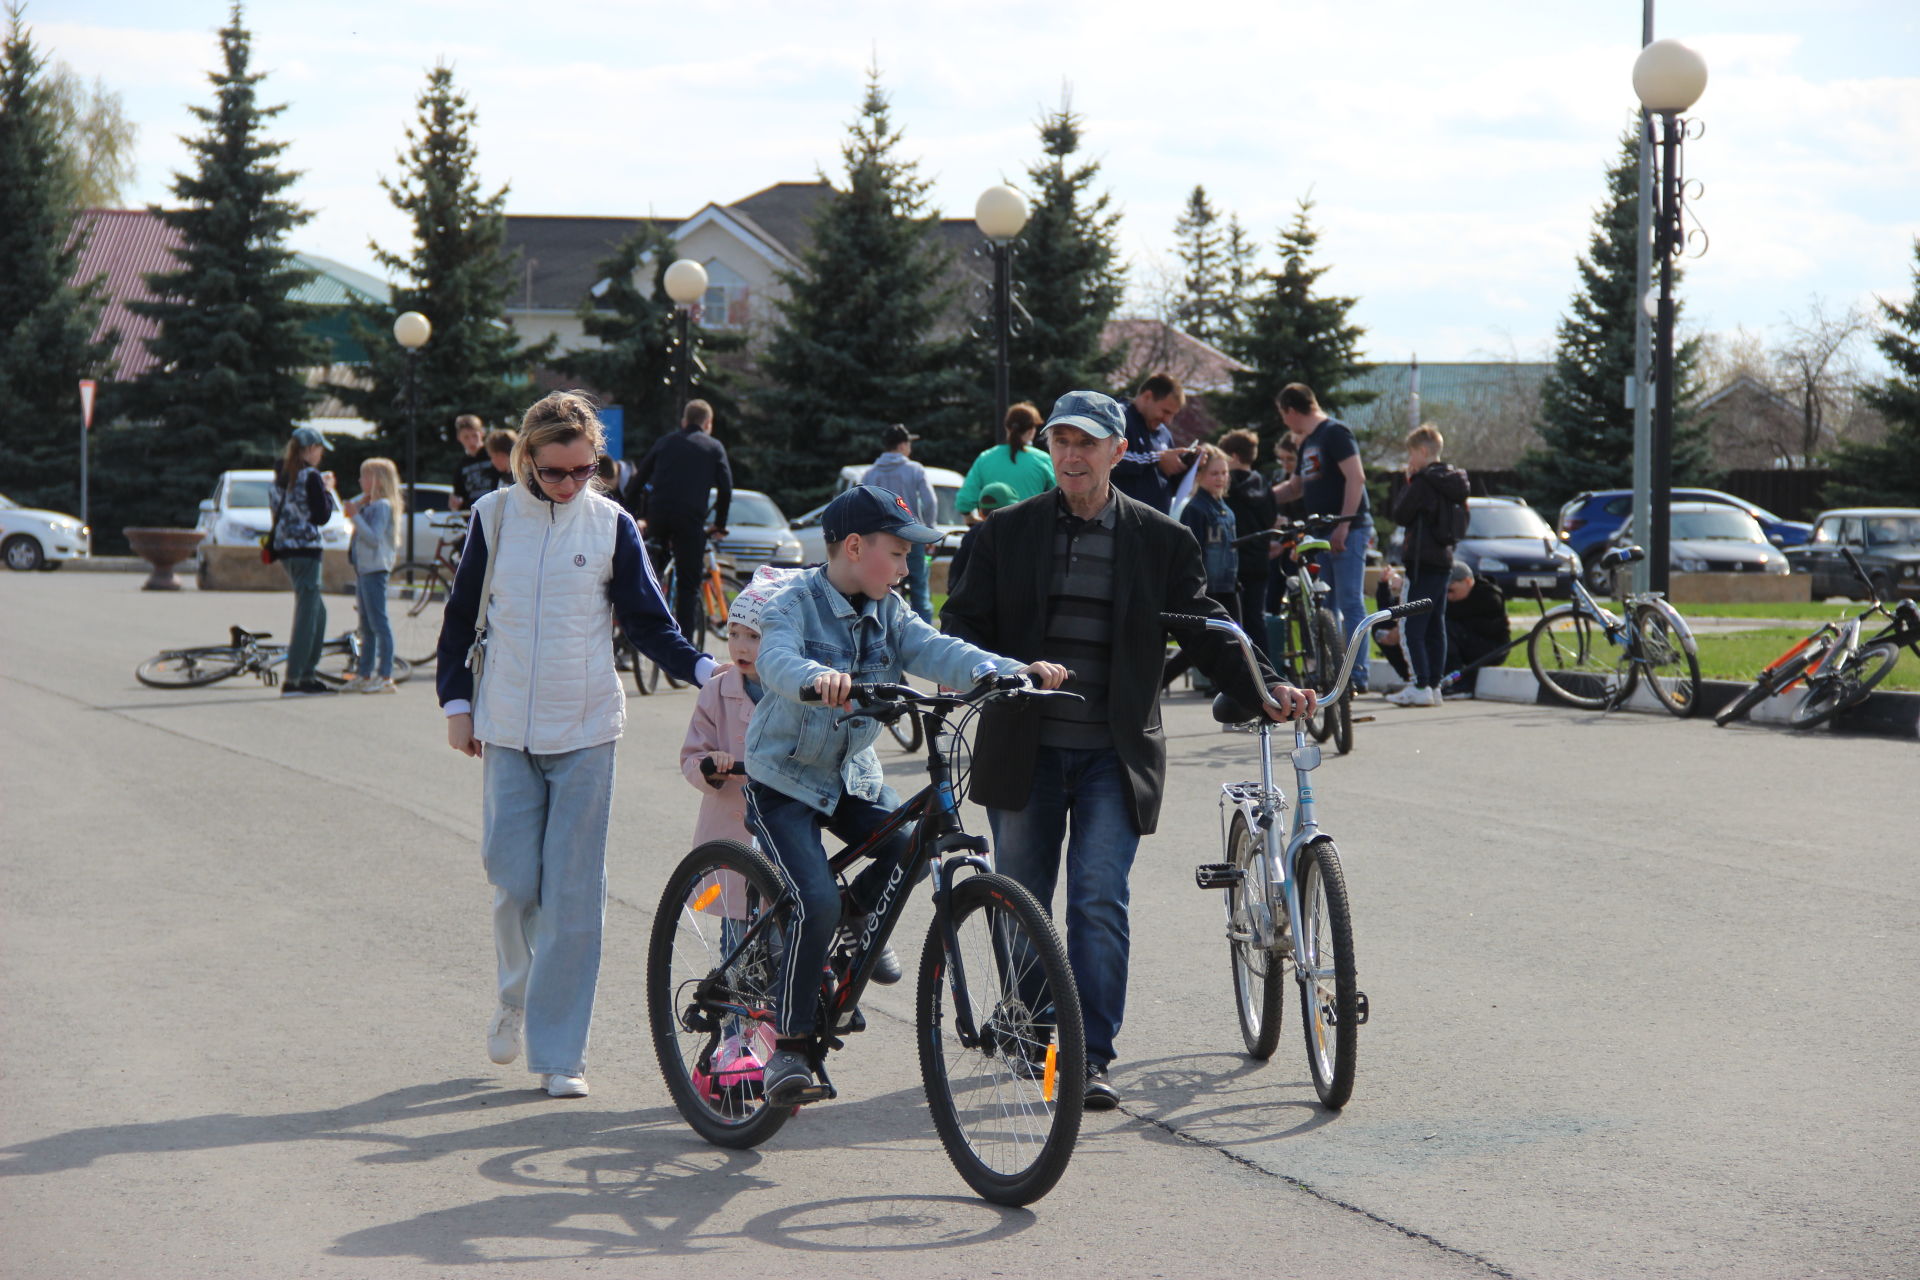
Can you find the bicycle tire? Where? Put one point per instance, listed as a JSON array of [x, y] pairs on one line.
[[720, 887], [1770, 682], [1848, 687], [1338, 717], [416, 604], [1573, 659], [668, 586], [1329, 996], [1672, 670], [336, 664], [1259, 975], [906, 731], [636, 665], [1008, 1138], [191, 668], [1313, 662]]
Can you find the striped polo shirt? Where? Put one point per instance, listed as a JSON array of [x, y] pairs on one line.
[[1080, 627]]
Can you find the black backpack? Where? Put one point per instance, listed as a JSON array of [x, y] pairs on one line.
[[1451, 524]]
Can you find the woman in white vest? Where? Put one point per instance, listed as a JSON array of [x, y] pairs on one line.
[[527, 681]]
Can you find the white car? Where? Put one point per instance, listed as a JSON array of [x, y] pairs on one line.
[[35, 539], [241, 509], [946, 488]]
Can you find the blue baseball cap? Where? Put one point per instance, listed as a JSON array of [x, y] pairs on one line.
[[868, 508], [1100, 416], [310, 436]]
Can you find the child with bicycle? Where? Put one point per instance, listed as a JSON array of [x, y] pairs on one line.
[[833, 626], [716, 738], [528, 685], [376, 516]]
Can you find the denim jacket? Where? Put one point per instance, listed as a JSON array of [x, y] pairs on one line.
[[809, 629]]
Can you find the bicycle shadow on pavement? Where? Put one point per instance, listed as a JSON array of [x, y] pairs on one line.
[[1167, 1094]]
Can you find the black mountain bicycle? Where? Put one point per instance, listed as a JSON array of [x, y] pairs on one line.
[[1002, 1050]]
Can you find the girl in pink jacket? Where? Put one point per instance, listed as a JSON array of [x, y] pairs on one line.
[[717, 736]]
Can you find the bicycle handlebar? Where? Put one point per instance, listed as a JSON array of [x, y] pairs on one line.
[[707, 770], [1314, 525], [1194, 622], [1860, 572], [878, 700]]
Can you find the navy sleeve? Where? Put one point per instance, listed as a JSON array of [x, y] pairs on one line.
[[640, 607], [1338, 445], [452, 680], [320, 505], [723, 482]]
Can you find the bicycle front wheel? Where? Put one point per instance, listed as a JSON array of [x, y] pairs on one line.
[[1673, 671], [416, 604], [1259, 993], [1574, 660], [190, 668], [1771, 681], [906, 731], [1847, 687], [1316, 669], [712, 1020], [1329, 985], [1337, 719], [1007, 1097]]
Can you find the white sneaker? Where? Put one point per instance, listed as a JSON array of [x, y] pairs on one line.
[[1411, 696], [358, 684], [558, 1086], [1434, 698], [375, 684], [503, 1034]]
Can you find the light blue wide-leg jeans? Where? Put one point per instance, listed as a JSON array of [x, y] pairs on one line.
[[544, 845]]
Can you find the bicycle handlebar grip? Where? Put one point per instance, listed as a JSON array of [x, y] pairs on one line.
[[1182, 621], [1410, 608], [1259, 536]]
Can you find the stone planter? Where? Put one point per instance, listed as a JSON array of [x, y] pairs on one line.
[[163, 549]]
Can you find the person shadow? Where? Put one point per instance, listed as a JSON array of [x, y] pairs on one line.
[[579, 1183], [1198, 1097]]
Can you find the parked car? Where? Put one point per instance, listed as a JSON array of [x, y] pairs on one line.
[[1588, 522], [241, 509], [1508, 543], [946, 487], [1707, 537], [31, 538], [1886, 541]]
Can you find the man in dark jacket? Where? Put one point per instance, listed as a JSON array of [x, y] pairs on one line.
[[1080, 576], [1476, 624], [1151, 466], [669, 493], [1427, 505]]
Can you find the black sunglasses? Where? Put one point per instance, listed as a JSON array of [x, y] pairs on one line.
[[554, 475]]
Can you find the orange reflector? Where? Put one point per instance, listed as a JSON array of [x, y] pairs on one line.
[[1046, 1080], [706, 898]]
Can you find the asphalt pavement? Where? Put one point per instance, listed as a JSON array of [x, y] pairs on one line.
[[1641, 1006]]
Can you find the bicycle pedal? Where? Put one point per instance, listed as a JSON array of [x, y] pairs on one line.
[[854, 1021], [1359, 1008], [1219, 875]]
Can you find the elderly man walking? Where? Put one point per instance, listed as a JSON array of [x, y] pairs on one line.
[[1079, 577]]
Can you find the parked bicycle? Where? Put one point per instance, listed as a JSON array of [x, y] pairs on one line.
[[1001, 1047], [1837, 666], [1286, 896], [417, 591], [1313, 648], [247, 653], [1589, 657]]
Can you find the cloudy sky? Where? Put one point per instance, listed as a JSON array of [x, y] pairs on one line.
[[1455, 150]]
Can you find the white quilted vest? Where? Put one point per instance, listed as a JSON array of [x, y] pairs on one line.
[[549, 684]]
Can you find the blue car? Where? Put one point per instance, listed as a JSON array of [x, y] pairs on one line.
[[1589, 521]]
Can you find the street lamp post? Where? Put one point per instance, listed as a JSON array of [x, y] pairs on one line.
[[1001, 214], [411, 330], [1669, 78], [686, 282]]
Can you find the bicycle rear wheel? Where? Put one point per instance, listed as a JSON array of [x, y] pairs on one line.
[[1771, 681], [1007, 1106], [1574, 660], [1259, 991], [1337, 719], [191, 668], [669, 588], [906, 731], [1306, 632], [1329, 986], [416, 602], [711, 1021], [1673, 671], [1847, 687]]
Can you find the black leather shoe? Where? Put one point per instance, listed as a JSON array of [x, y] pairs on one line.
[[1101, 1095]]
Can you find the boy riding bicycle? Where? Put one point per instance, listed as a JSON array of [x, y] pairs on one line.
[[835, 625]]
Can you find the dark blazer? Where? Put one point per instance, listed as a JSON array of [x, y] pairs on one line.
[[1001, 606]]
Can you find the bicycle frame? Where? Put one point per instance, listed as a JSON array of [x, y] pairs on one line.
[[1615, 627]]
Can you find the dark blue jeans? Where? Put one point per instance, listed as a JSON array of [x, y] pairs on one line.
[[1091, 786], [789, 833], [1426, 633]]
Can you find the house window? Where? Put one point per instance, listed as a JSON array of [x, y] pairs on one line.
[[725, 306]]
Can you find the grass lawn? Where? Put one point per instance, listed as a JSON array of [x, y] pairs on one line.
[[1741, 656]]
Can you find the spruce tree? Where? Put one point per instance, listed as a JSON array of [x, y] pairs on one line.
[[232, 353], [459, 275], [1293, 333], [854, 347], [1067, 275], [1242, 267], [46, 324], [1202, 304], [1586, 427], [634, 323], [1887, 473]]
